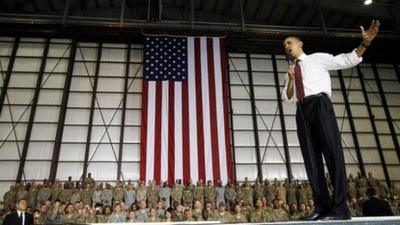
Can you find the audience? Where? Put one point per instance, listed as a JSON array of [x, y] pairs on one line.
[[73, 202]]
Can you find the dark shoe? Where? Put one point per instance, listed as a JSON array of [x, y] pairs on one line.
[[313, 217], [334, 216]]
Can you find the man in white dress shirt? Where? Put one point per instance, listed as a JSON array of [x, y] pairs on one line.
[[308, 84]]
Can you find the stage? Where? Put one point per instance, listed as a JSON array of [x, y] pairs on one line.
[[389, 220]]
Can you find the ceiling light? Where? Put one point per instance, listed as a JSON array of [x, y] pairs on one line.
[[367, 2]]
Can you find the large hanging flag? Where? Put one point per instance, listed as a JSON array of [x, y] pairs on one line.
[[185, 129]]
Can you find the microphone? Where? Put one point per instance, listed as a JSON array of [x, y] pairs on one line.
[[290, 60]]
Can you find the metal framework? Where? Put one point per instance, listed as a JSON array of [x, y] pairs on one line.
[[254, 117], [33, 111], [282, 119], [351, 122], [372, 119]]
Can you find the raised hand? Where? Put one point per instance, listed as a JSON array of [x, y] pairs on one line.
[[370, 34]]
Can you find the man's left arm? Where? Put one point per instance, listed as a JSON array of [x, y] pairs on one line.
[[368, 36], [347, 60]]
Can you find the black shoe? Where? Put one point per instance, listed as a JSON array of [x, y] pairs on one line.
[[313, 217], [334, 216]]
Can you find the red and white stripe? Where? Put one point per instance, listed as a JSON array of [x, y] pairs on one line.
[[185, 129]]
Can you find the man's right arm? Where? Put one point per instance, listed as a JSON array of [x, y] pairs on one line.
[[288, 89]]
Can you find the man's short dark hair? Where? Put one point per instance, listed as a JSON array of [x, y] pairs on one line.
[[371, 192]]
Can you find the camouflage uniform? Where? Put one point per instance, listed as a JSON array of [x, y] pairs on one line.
[[187, 196], [165, 193], [301, 195], [279, 214], [258, 191], [269, 192], [222, 217], [198, 193], [258, 216], [9, 198], [130, 196], [44, 194], [248, 194], [32, 196], [176, 194], [141, 193], [65, 195], [22, 193], [55, 192], [230, 195], [351, 188], [86, 196], [118, 193], [70, 218], [107, 195], [209, 195], [239, 194], [291, 195], [220, 194], [152, 195], [76, 195], [96, 197], [281, 192], [362, 187]]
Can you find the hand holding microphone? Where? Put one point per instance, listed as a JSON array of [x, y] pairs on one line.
[[291, 63]]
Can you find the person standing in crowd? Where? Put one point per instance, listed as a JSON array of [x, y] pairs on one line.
[[308, 83], [20, 216], [375, 206], [165, 194]]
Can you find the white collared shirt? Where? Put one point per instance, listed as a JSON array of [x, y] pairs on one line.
[[315, 72], [23, 215]]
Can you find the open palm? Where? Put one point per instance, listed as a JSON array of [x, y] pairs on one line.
[[370, 34]]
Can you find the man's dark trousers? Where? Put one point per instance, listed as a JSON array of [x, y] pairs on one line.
[[319, 136]]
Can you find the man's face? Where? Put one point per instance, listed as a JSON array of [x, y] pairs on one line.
[[293, 47], [22, 205]]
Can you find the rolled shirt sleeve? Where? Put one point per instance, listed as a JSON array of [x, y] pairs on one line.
[[341, 61], [285, 98]]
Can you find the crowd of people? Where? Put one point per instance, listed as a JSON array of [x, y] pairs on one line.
[[89, 201]]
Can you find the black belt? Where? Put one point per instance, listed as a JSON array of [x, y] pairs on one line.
[[311, 97]]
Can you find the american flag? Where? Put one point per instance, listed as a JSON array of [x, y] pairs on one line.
[[185, 129]]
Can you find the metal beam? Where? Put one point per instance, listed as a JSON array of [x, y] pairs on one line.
[[341, 20], [160, 10], [299, 13], [191, 14], [122, 128], [35, 6], [63, 111], [232, 145], [282, 118], [33, 111], [122, 16], [322, 18], [242, 19], [66, 11], [374, 129], [343, 88], [288, 8], [8, 73], [148, 10], [389, 117], [254, 117], [271, 11], [311, 19], [92, 106]]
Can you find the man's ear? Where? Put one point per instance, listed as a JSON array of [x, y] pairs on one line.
[[301, 44]]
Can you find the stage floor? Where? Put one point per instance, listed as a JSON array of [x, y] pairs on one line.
[[387, 220]]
